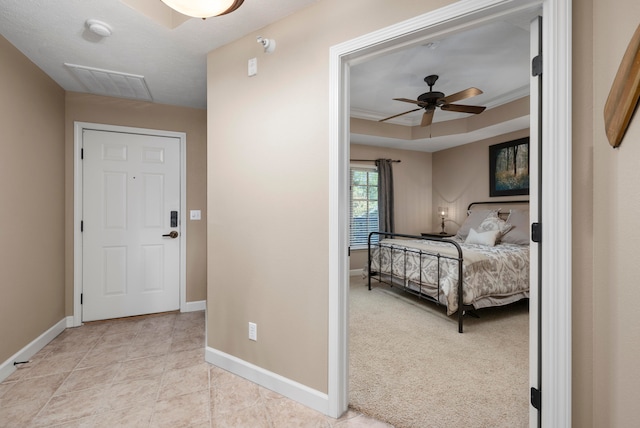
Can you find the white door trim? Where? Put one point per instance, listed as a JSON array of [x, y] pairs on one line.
[[556, 200], [77, 206]]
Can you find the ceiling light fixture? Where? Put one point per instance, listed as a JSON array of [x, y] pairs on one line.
[[203, 8]]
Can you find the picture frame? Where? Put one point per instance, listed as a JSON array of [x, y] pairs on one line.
[[509, 168]]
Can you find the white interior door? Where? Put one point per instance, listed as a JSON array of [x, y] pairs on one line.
[[130, 206]]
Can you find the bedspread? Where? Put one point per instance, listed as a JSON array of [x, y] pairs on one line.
[[491, 275]]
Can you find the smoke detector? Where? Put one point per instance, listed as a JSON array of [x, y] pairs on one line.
[[98, 27]]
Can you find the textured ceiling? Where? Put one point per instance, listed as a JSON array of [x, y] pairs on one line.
[[493, 57], [172, 62]]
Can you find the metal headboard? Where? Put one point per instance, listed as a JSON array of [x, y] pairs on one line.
[[497, 203]]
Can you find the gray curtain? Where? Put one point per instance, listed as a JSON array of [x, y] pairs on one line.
[[385, 195]]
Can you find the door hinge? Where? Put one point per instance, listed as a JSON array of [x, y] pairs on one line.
[[536, 398], [81, 297], [536, 232], [81, 153], [348, 251], [536, 66], [81, 225]]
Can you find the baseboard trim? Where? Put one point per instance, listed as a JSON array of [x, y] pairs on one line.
[[302, 394], [356, 272], [200, 305], [7, 367]]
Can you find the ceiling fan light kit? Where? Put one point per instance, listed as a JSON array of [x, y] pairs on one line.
[[431, 100], [203, 8]]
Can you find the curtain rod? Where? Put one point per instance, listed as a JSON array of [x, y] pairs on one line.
[[371, 160]]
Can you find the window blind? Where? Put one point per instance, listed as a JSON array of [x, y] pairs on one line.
[[364, 205]]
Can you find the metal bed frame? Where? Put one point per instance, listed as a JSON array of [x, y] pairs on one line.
[[400, 280], [402, 283]]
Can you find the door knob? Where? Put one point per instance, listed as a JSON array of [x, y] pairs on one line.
[[173, 234]]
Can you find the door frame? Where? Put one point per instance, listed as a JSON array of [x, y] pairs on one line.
[[78, 128], [556, 186]]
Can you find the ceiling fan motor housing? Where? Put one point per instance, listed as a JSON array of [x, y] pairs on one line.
[[431, 98]]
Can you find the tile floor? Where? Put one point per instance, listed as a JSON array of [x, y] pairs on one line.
[[145, 372]]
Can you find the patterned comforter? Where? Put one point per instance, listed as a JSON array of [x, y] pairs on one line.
[[492, 276]]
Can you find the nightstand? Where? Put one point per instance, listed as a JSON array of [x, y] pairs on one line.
[[436, 235]]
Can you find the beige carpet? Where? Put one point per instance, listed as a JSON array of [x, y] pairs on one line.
[[410, 367]]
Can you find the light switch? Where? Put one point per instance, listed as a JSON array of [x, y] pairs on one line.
[[253, 67], [195, 215]]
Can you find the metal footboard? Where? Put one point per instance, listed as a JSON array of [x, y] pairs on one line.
[[395, 278]]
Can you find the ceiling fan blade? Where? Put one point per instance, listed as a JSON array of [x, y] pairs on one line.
[[427, 118], [399, 114], [407, 100], [463, 109], [467, 93]]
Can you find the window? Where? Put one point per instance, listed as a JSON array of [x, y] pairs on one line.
[[364, 205]]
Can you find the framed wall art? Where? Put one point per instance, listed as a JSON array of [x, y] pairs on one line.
[[509, 168]]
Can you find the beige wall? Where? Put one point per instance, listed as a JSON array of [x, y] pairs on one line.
[[412, 191], [583, 370], [605, 334], [461, 176], [616, 228], [37, 178], [121, 112], [291, 309], [32, 191], [268, 160]]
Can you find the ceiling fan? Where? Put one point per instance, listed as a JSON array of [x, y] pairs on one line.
[[430, 100]]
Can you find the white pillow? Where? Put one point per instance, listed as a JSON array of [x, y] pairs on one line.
[[473, 220], [493, 222], [482, 238]]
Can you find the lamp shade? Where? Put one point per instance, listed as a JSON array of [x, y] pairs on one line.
[[203, 8], [443, 211]]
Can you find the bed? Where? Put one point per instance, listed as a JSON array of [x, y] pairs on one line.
[[485, 264]]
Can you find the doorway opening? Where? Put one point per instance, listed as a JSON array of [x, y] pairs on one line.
[[407, 344], [556, 166]]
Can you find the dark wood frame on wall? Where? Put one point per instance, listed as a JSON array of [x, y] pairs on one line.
[[503, 182]]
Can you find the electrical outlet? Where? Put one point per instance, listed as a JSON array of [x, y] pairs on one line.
[[253, 331]]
